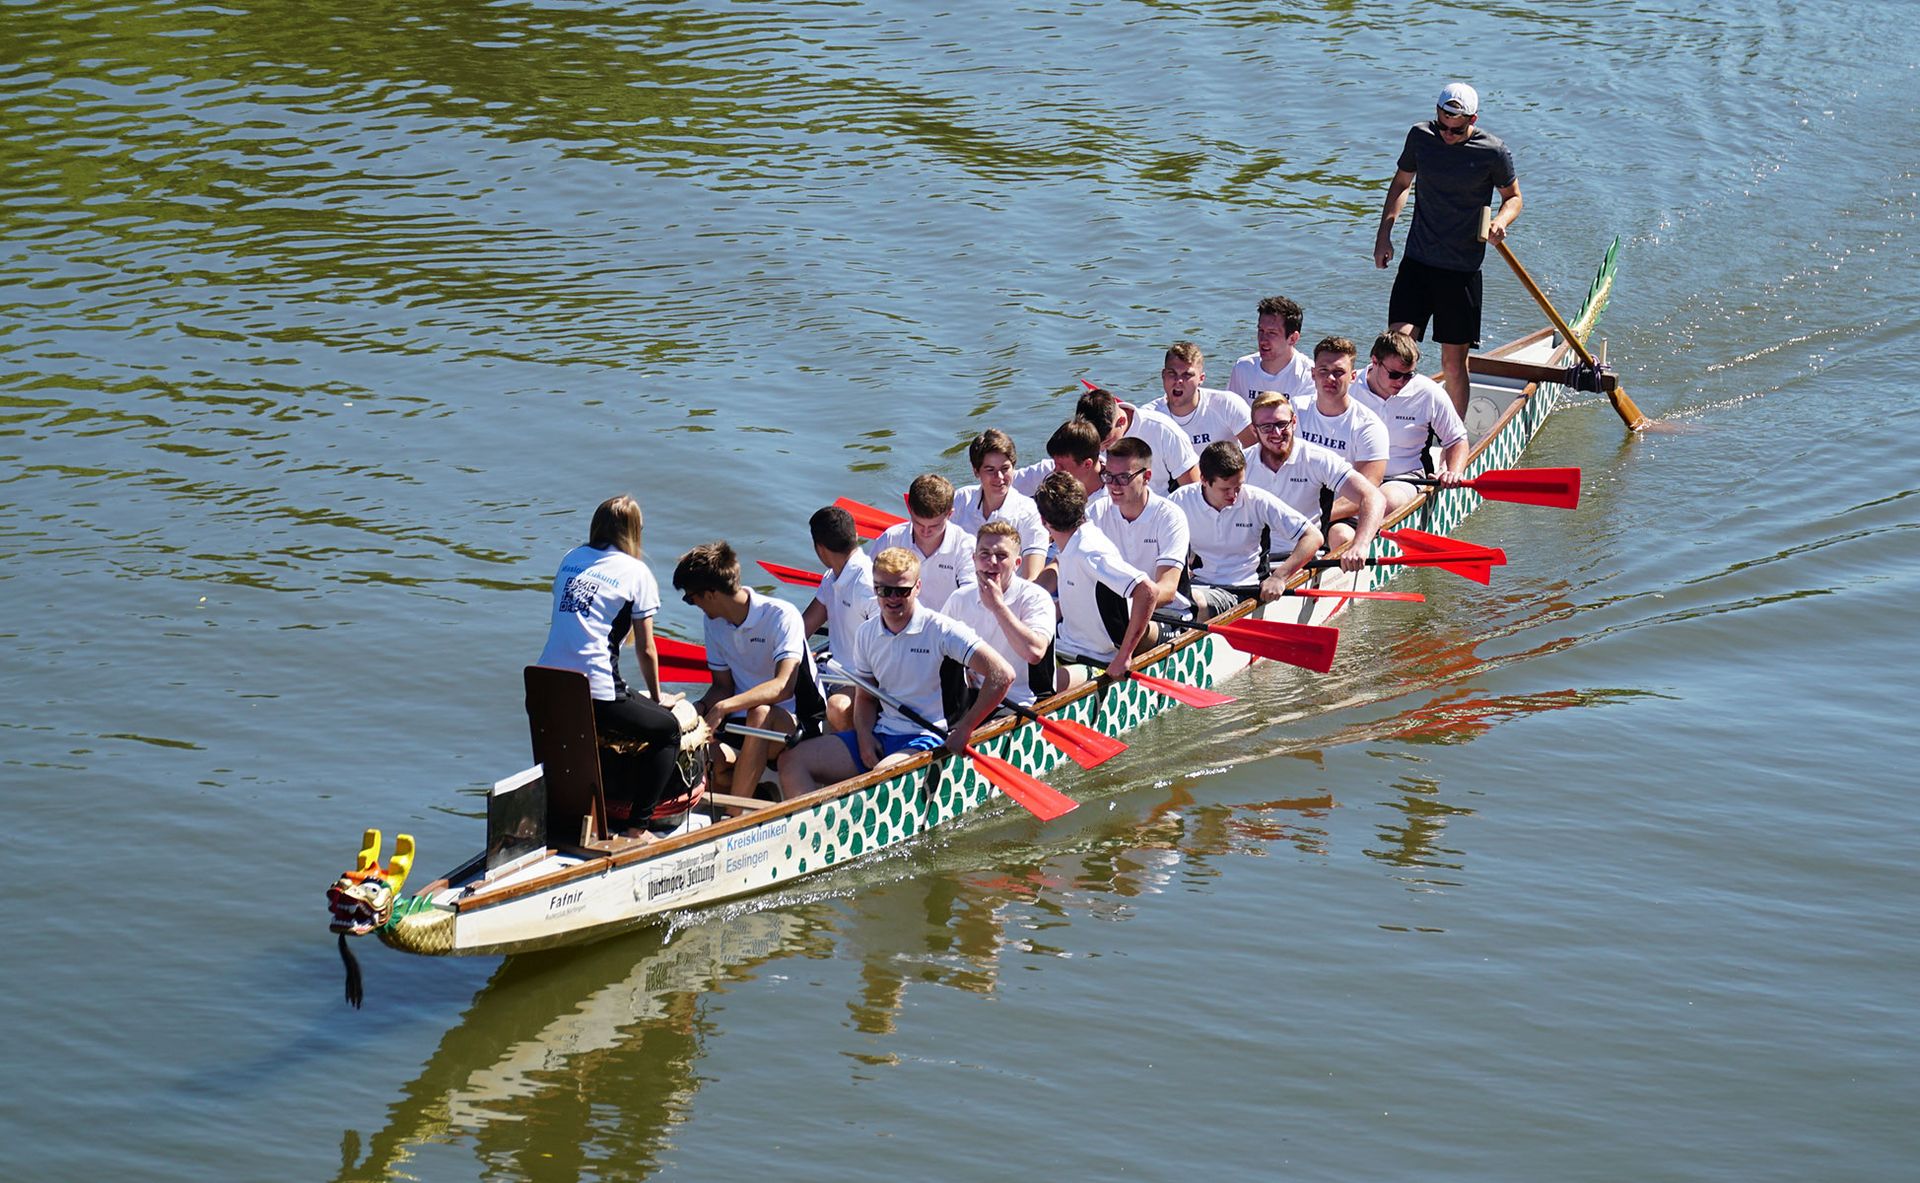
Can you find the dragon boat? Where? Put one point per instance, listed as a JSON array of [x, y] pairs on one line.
[[553, 872]]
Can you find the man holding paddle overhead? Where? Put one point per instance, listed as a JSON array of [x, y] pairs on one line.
[[1458, 167], [899, 651]]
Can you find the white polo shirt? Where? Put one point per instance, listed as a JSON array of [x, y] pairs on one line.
[[1173, 452], [1309, 469], [1018, 508], [1087, 561], [771, 632], [945, 571], [1157, 538], [597, 595], [906, 664], [1356, 435], [847, 597], [1031, 606], [1027, 477], [1227, 541], [1422, 405], [1294, 379], [1216, 415]]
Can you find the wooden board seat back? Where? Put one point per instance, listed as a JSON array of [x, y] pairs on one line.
[[560, 717]]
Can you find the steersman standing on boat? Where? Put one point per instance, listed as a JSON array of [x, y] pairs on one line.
[[1459, 168]]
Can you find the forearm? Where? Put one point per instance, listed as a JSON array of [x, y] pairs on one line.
[[996, 677], [649, 654], [1029, 646], [1303, 550]]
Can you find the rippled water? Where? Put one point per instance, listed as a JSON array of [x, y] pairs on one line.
[[328, 324]]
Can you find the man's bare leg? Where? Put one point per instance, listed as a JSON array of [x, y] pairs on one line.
[[1453, 367], [822, 760]]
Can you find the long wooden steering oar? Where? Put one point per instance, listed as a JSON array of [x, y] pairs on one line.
[[1040, 798], [1632, 416]]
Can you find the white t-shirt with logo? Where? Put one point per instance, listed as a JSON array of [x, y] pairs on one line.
[[597, 594], [1017, 508], [1157, 538], [1422, 405], [1216, 415], [1309, 469], [945, 571], [1227, 541], [1090, 560], [906, 664], [847, 597], [1173, 452], [1031, 606], [1356, 435], [771, 632], [1294, 379]]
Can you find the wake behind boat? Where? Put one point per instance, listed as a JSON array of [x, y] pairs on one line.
[[553, 873]]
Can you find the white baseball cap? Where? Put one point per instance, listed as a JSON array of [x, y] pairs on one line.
[[1458, 99]]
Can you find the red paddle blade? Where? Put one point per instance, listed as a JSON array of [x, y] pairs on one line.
[[787, 574], [1468, 564], [1093, 740], [867, 520], [1419, 542], [685, 651], [1327, 593], [1082, 744], [1309, 646], [1041, 799], [1088, 385], [1193, 696], [1557, 487], [676, 669]]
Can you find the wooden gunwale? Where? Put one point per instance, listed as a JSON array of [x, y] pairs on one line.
[[720, 830]]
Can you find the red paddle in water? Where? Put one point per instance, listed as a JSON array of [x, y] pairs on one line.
[[1328, 593], [1309, 646], [1475, 563], [1557, 487], [787, 574]]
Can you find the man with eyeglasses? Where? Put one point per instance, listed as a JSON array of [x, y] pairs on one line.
[[1205, 415], [1233, 527], [994, 499], [1415, 410], [899, 650], [1148, 531], [1313, 481], [1459, 167]]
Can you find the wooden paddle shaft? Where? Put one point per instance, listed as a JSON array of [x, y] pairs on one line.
[[1546, 305]]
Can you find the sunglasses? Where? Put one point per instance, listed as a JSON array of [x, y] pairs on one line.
[[889, 592], [1394, 375], [1454, 129]]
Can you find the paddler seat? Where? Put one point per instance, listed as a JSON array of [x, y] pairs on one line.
[[566, 744]]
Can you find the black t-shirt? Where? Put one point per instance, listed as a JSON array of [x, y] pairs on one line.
[[1453, 183]]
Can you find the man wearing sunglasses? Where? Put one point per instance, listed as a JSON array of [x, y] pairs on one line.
[[1459, 167], [1415, 410], [1313, 481], [900, 650]]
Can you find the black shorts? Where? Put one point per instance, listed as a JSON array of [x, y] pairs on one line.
[[1451, 299]]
